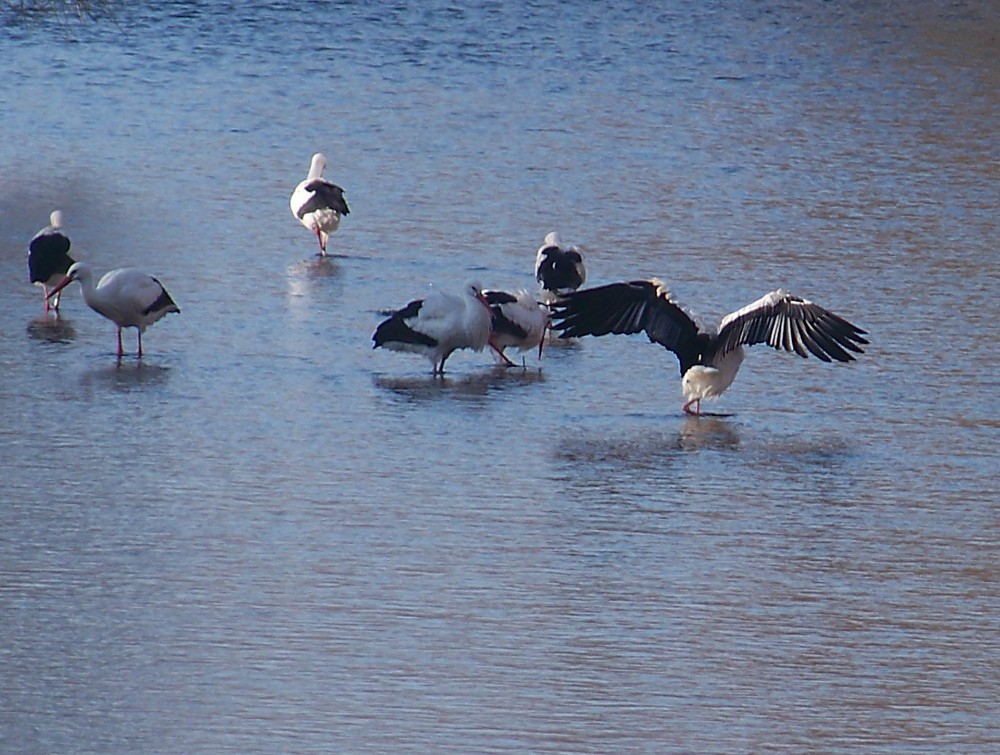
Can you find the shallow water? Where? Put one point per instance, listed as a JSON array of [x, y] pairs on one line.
[[267, 536]]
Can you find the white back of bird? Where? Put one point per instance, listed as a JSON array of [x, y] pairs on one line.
[[711, 381], [527, 314]]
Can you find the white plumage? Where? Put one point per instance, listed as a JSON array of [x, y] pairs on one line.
[[317, 203], [518, 321], [126, 296], [438, 325], [709, 360]]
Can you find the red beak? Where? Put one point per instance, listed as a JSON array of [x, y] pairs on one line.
[[62, 284], [545, 328]]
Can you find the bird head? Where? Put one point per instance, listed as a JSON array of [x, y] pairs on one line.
[[317, 165], [76, 271], [476, 290]]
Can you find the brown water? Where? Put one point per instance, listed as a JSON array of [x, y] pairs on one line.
[[268, 537]]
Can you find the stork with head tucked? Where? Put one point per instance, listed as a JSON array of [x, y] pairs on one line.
[[558, 269], [438, 325], [518, 321], [48, 258], [319, 204]]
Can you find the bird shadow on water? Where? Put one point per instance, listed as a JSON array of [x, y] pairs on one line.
[[795, 453], [126, 374], [644, 465], [788, 451], [310, 275], [651, 448], [423, 388], [316, 267], [51, 328], [708, 432]]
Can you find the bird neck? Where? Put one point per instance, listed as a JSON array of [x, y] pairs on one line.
[[316, 169], [91, 293]]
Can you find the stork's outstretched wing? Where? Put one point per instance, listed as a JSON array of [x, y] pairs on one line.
[[624, 308], [788, 322]]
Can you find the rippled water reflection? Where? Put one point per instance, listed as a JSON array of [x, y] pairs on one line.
[[268, 536]]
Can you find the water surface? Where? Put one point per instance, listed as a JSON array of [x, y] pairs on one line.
[[266, 536]]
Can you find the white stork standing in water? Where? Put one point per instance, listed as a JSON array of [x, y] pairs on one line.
[[558, 269], [48, 258], [126, 296], [319, 204], [709, 360], [438, 325], [518, 321]]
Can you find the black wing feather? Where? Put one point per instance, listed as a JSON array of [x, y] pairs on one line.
[[558, 269], [502, 323], [627, 308], [499, 297], [787, 322], [396, 328], [163, 301], [325, 195], [48, 254]]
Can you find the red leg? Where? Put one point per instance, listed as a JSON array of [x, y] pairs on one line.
[[697, 408], [500, 354], [121, 351]]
